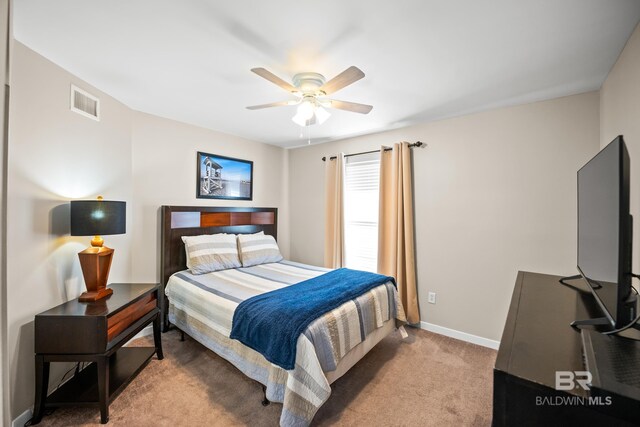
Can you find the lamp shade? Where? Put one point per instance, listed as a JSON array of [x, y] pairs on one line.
[[98, 217]]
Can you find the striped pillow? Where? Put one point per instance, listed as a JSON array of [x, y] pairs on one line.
[[211, 252], [257, 249]]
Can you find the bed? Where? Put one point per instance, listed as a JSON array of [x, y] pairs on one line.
[[203, 306]]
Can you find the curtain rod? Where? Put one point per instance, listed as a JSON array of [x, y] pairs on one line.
[[415, 144]]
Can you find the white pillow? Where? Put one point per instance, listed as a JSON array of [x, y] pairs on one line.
[[211, 252], [257, 249]]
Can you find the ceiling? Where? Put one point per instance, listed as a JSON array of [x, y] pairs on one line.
[[423, 59]]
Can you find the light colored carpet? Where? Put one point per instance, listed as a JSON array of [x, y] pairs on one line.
[[425, 380]]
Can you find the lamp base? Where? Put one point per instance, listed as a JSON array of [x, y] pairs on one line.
[[95, 263], [94, 296]]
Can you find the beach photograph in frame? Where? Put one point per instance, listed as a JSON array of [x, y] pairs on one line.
[[222, 177]]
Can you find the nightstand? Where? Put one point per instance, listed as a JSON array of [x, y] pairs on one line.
[[95, 332]]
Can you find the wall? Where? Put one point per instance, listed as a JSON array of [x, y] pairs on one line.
[[55, 155], [164, 165], [620, 115], [495, 193], [4, 97]]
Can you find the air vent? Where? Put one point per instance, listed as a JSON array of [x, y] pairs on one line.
[[84, 103]]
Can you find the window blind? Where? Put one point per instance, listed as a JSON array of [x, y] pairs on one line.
[[362, 180]]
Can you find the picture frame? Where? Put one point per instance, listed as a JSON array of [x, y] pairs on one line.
[[221, 177]]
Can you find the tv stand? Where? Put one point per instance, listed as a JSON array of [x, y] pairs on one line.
[[597, 321], [601, 321], [574, 277], [537, 342], [590, 322]]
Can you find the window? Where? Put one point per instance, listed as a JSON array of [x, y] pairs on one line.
[[362, 180]]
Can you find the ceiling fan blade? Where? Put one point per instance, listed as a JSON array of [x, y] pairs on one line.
[[347, 106], [265, 74], [345, 78], [273, 104]]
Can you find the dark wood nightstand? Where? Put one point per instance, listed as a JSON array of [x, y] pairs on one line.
[[95, 332]]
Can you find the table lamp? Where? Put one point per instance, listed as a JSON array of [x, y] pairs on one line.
[[96, 218]]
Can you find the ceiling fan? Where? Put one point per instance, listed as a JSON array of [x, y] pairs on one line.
[[310, 90]]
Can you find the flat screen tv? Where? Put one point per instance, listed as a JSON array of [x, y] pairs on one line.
[[605, 232]]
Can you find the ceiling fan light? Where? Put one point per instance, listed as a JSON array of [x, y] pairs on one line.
[[300, 120], [306, 110], [322, 115], [305, 114]]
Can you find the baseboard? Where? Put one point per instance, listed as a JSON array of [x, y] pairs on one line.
[[22, 418], [463, 336]]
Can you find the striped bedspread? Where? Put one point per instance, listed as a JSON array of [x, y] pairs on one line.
[[203, 306]]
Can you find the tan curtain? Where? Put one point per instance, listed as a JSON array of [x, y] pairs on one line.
[[396, 255], [334, 212]]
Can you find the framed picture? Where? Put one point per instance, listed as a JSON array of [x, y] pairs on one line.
[[222, 177]]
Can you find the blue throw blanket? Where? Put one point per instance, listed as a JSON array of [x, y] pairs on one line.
[[271, 323]]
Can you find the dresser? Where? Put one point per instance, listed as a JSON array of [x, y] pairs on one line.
[[93, 334], [537, 344]]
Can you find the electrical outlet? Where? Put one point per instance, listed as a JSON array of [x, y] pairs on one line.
[[431, 298]]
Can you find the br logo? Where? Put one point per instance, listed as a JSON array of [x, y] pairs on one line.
[[568, 380]]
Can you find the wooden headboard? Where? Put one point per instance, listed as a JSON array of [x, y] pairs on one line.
[[178, 221]]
